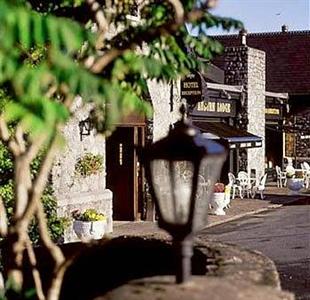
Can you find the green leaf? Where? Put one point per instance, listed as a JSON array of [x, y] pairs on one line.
[[24, 30]]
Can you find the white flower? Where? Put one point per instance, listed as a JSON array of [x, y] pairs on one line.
[[290, 171]]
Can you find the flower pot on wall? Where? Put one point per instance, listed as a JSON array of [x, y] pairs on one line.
[[294, 185], [92, 230], [218, 203]]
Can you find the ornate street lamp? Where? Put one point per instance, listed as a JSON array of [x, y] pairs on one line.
[[181, 170]]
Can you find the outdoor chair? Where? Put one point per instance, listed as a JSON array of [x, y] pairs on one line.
[[260, 187], [306, 168], [233, 185], [243, 180], [281, 177]]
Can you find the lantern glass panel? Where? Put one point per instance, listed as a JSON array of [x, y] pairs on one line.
[[172, 182], [209, 172]]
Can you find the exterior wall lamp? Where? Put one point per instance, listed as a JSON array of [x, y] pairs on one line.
[[85, 126], [181, 170]]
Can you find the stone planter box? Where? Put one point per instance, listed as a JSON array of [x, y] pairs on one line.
[[90, 230]]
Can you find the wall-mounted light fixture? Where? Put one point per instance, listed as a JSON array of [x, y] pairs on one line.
[[86, 126]]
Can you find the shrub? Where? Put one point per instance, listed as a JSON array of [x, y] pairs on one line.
[[89, 164], [89, 215], [56, 224]]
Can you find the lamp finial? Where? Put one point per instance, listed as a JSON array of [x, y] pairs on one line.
[[183, 112]]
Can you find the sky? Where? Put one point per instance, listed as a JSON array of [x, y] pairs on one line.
[[266, 15]]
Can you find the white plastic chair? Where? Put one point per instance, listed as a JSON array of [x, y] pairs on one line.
[[260, 187], [306, 168], [233, 185], [245, 184], [281, 177]]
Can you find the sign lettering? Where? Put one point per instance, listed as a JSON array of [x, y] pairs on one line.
[[191, 85], [219, 107], [272, 111]]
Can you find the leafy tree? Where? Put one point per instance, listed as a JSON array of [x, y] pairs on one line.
[[52, 51]]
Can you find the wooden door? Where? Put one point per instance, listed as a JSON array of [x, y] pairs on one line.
[[121, 172]]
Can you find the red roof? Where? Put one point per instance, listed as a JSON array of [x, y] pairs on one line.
[[287, 58]]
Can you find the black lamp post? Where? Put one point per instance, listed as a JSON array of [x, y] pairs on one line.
[[182, 169]]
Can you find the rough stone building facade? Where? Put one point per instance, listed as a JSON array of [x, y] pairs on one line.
[[287, 71], [245, 66], [72, 190]]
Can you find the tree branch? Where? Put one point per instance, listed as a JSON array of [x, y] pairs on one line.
[[4, 131], [19, 137], [100, 19], [54, 250], [149, 34], [55, 286], [35, 271], [178, 11], [3, 219], [40, 181]]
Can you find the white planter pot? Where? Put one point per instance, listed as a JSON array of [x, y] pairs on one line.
[[218, 203], [295, 185], [90, 230]]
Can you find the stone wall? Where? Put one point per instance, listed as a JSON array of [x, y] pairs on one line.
[[166, 102], [246, 66], [71, 189]]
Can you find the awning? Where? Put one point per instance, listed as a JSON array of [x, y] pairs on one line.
[[236, 138]]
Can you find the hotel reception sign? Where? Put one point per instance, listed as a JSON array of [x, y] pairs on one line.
[[191, 88]]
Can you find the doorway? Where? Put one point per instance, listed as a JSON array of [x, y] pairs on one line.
[[123, 174]]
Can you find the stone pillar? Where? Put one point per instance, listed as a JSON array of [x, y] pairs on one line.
[[72, 190], [256, 107], [246, 66]]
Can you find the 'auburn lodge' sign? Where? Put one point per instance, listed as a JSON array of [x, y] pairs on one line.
[[215, 108]]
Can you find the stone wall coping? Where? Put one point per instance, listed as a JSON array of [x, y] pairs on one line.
[[78, 198]]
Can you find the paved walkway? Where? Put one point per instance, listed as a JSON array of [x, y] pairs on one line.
[[238, 209], [274, 198]]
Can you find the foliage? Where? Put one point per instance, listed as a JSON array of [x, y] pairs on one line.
[[56, 224], [219, 187], [89, 215], [89, 164], [55, 43], [11, 292]]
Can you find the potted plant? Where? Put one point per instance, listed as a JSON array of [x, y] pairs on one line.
[[90, 224], [218, 201], [295, 180]]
